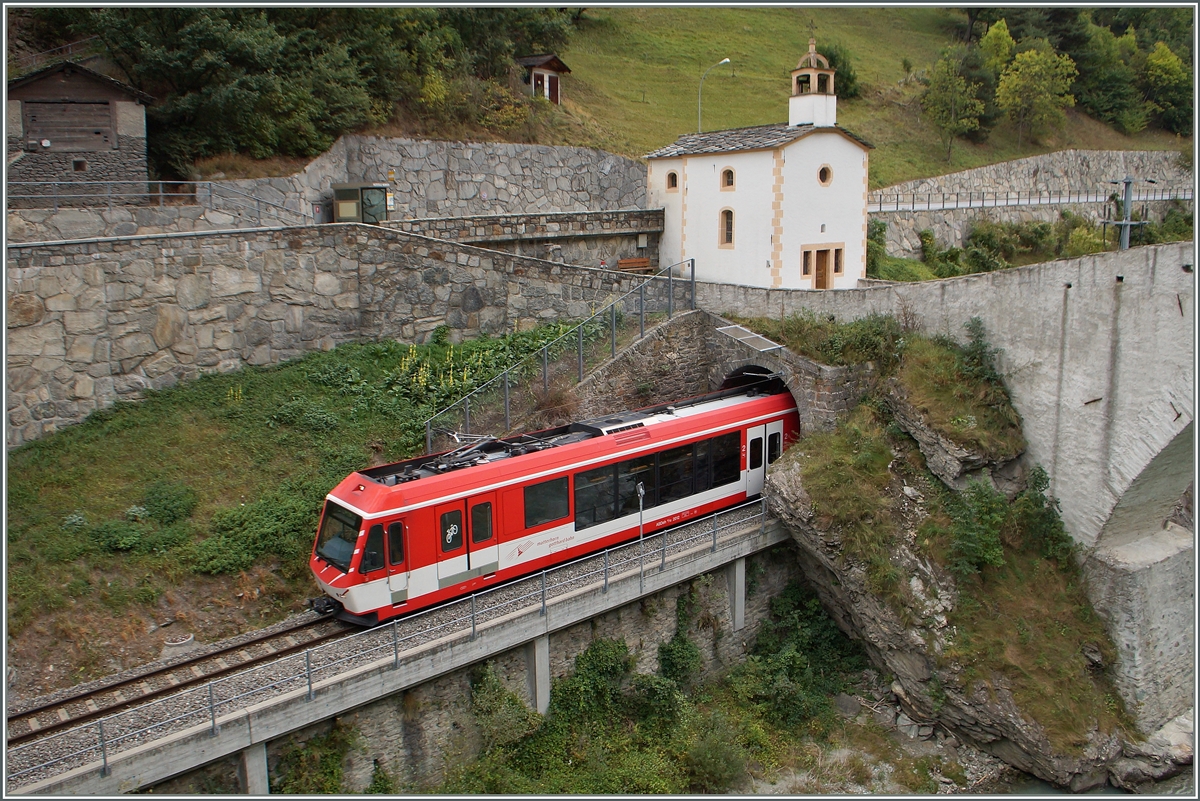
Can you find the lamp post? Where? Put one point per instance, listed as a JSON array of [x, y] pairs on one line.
[[700, 93], [641, 493]]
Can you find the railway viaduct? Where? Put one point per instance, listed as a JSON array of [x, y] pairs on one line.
[[1098, 353]]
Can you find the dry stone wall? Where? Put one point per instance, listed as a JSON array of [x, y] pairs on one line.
[[46, 225], [94, 322]]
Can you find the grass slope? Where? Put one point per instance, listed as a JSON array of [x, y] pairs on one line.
[[635, 72]]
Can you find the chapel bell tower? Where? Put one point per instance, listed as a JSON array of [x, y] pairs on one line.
[[813, 101]]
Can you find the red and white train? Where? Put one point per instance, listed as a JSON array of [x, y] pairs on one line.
[[404, 536]]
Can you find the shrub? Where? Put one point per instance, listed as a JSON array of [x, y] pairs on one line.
[[715, 761], [979, 513], [500, 714], [168, 502], [315, 766], [117, 535]]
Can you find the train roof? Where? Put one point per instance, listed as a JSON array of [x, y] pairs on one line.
[[382, 482]]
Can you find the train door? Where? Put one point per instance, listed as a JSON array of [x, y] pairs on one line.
[[397, 566], [483, 555], [756, 466], [774, 441], [452, 550]]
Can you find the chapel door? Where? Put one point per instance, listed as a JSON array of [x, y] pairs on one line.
[[822, 269]]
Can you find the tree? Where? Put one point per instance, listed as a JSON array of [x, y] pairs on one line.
[[845, 81], [1035, 88], [1169, 87], [1107, 86], [950, 103], [997, 46]]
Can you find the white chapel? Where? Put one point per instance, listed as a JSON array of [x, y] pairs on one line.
[[782, 205]]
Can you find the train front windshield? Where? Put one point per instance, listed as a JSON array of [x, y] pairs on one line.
[[338, 535]]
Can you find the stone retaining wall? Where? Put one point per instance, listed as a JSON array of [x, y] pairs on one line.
[[126, 163], [1073, 170], [90, 323], [445, 179], [46, 225]]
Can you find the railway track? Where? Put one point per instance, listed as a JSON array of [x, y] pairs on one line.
[[61, 713]]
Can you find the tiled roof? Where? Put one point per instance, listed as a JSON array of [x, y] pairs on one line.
[[759, 137]]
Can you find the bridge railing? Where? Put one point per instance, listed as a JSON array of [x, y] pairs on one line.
[[944, 201], [207, 705], [655, 295]]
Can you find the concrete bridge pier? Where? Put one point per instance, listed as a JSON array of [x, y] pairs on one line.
[[735, 577], [253, 770], [537, 656]]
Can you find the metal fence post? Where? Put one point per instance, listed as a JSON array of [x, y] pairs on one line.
[[662, 565], [545, 370], [467, 415], [308, 671], [429, 435], [507, 414], [692, 273], [762, 516], [605, 571], [108, 193], [641, 310], [612, 327], [473, 616], [670, 294], [714, 547], [103, 748], [543, 612], [395, 645], [579, 349], [212, 710]]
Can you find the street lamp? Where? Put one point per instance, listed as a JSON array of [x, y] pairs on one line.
[[700, 93]]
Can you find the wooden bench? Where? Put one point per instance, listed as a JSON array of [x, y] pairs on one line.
[[634, 265]]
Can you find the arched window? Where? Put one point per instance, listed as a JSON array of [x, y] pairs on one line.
[[672, 181], [725, 229], [727, 180]]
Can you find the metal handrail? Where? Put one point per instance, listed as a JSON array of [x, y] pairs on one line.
[[942, 201], [199, 705], [575, 332]]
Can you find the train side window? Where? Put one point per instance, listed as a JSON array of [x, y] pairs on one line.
[[726, 458], [774, 447], [396, 542], [452, 533], [546, 501], [629, 474], [481, 522], [756, 453], [595, 496], [373, 553], [675, 474]]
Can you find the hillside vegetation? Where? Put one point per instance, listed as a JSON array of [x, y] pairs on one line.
[[237, 90]]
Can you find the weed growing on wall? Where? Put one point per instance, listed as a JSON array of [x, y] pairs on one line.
[[314, 767], [875, 338]]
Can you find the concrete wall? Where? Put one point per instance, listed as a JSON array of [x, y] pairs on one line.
[[449, 179], [1100, 370], [93, 322]]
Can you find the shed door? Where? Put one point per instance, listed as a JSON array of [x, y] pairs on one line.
[[553, 88]]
